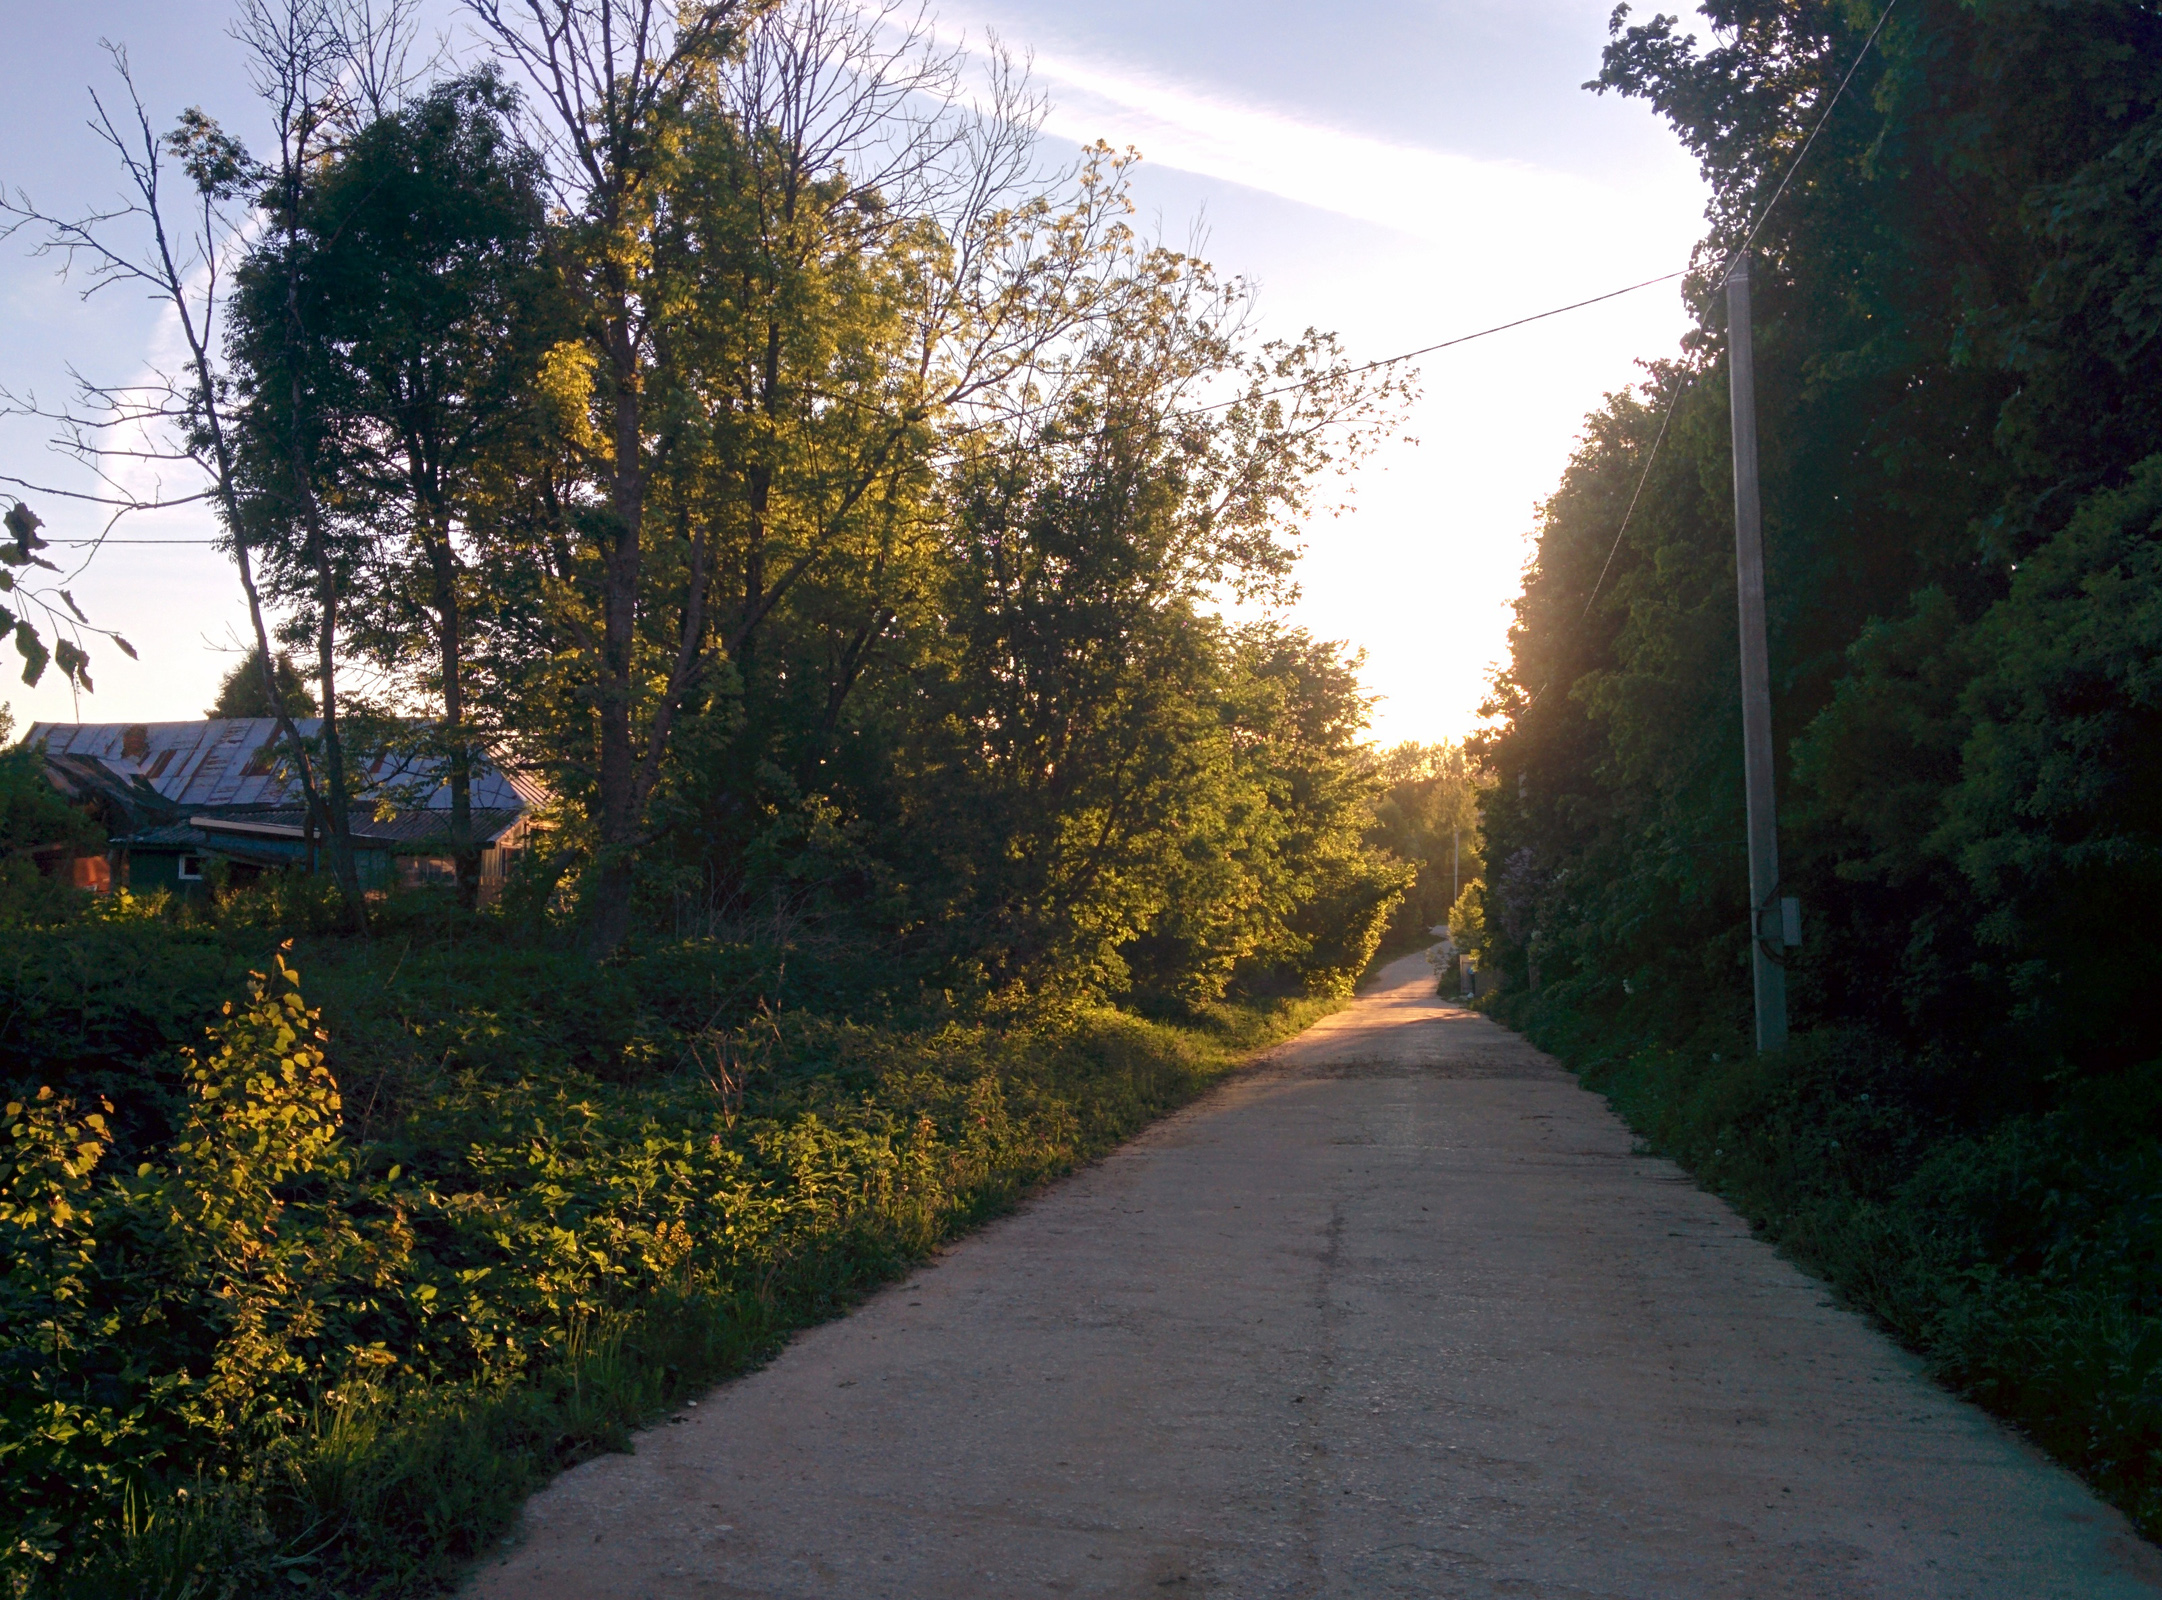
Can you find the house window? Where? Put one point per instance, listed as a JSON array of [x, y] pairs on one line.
[[191, 868], [420, 872]]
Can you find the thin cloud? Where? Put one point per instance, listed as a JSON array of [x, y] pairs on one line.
[[1431, 195]]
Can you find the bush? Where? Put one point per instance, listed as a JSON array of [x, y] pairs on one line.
[[157, 1323], [33, 819], [87, 1005], [299, 1337]]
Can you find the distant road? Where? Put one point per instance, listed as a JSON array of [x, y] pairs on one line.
[[1396, 1313]]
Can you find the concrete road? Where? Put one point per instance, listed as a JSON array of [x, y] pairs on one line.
[[1396, 1313]]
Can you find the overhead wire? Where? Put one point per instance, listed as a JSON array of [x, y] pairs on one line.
[[1741, 251], [1483, 333], [1427, 350], [1338, 374], [1739, 254]]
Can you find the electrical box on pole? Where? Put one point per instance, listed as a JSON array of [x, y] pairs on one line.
[[1770, 919]]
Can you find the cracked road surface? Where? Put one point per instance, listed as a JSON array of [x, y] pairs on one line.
[[1398, 1312]]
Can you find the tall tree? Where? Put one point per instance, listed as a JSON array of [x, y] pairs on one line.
[[306, 61], [176, 252], [1092, 736], [613, 77], [793, 247], [414, 261], [1958, 362]]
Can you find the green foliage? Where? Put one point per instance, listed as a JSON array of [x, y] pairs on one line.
[[2021, 1262], [241, 694], [157, 1323], [35, 823], [1957, 396], [2056, 820], [63, 624], [316, 1301], [1428, 817], [1467, 919], [97, 1006]]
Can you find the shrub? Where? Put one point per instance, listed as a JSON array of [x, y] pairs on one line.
[[158, 1324], [253, 1351]]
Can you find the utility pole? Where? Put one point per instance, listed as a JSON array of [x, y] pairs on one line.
[[1772, 921], [1454, 891]]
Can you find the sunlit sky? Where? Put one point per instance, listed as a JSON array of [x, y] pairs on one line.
[[1399, 171]]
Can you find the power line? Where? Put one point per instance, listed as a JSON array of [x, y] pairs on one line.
[[1739, 255], [1748, 241], [1370, 366], [1802, 155], [1427, 350], [1657, 440]]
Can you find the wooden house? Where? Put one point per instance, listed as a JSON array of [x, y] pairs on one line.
[[188, 803]]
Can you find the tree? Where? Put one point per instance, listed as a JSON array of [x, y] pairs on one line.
[[306, 58], [414, 260], [1957, 378], [847, 254], [1428, 817], [240, 693], [1102, 765], [613, 77]]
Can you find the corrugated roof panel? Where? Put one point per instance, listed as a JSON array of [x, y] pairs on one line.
[[187, 741], [206, 764], [216, 779]]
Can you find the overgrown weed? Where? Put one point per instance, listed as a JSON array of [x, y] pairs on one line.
[[502, 1212]]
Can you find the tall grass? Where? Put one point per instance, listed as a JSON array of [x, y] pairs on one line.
[[338, 1304]]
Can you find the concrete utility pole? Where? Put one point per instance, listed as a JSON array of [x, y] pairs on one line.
[[1773, 921]]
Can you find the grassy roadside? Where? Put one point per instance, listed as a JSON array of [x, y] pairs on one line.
[[2020, 1256], [314, 1315]]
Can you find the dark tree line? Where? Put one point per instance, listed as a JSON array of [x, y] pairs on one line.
[[1959, 303]]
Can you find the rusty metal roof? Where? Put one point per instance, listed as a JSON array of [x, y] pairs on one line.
[[233, 762], [123, 805]]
